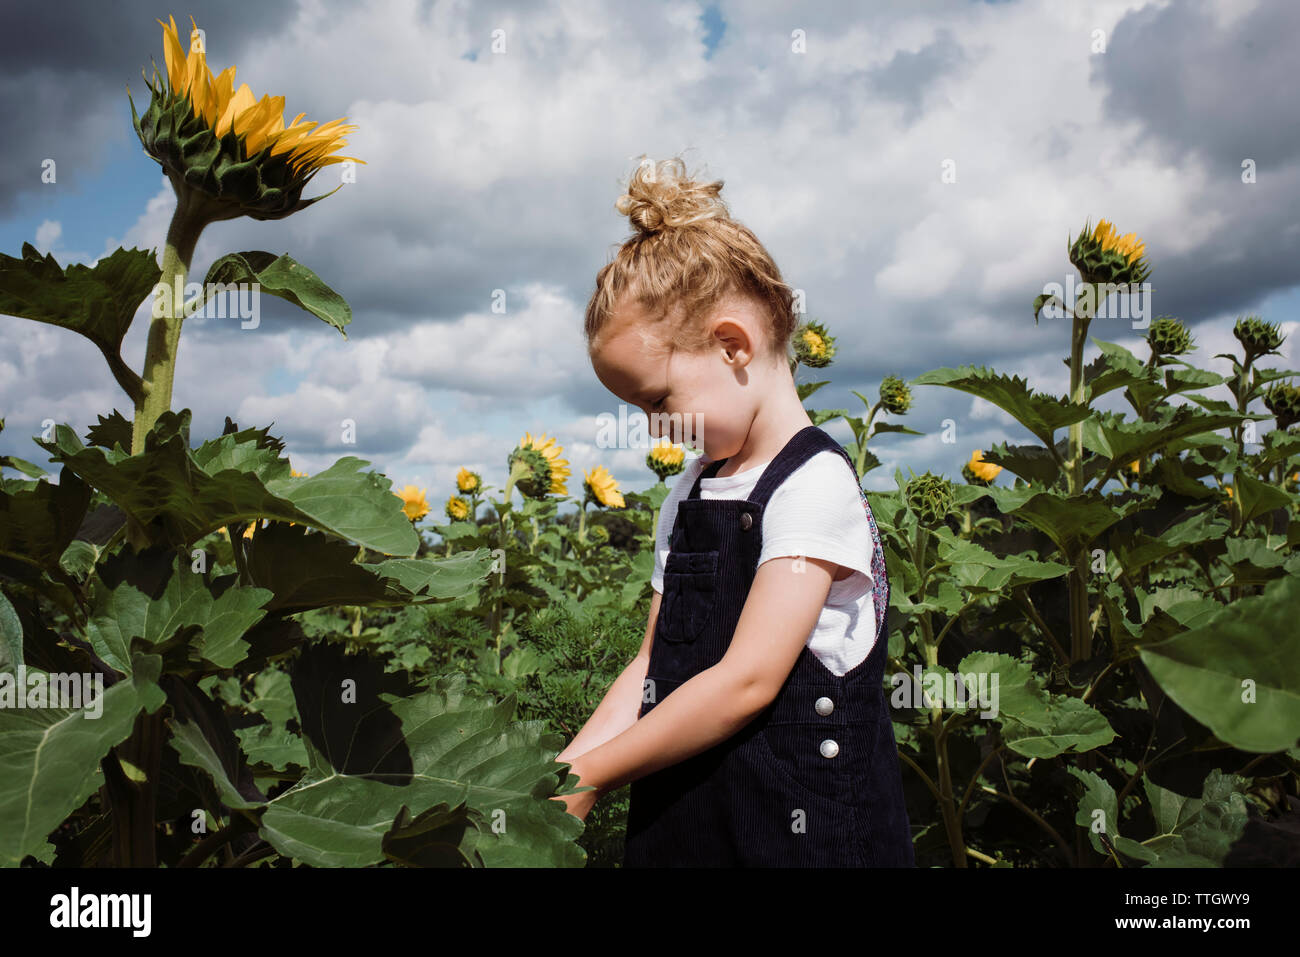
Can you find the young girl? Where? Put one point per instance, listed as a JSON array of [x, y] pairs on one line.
[[752, 724]]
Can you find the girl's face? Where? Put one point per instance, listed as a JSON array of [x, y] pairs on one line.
[[707, 400]]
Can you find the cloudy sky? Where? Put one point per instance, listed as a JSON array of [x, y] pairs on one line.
[[498, 171]]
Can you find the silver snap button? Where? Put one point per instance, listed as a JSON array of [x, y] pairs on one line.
[[829, 748], [746, 521], [824, 705]]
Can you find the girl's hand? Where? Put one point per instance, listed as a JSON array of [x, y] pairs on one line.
[[580, 804]]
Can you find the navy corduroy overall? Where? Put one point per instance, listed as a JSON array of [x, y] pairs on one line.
[[813, 780]]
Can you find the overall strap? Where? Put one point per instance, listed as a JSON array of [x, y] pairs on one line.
[[803, 445]]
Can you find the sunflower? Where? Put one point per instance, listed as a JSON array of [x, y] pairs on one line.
[[233, 149], [666, 459], [986, 471], [601, 487], [1103, 256], [413, 502], [457, 508], [536, 467]]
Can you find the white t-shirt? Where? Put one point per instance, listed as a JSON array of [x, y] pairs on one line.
[[817, 513]]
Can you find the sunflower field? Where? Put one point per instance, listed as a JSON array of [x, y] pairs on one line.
[[325, 670]]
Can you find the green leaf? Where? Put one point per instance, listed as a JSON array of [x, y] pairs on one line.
[[433, 579], [306, 569], [98, 302], [1205, 670], [1033, 463], [230, 481], [975, 568], [805, 389], [1122, 442], [442, 836], [1259, 498], [154, 598], [1115, 368], [880, 427], [391, 749], [818, 416], [111, 431], [282, 276], [1099, 796], [49, 757], [1040, 414], [38, 524], [1198, 832], [195, 750], [1035, 722], [79, 558], [1071, 522], [11, 636]]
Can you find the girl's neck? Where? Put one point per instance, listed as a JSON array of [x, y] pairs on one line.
[[767, 439]]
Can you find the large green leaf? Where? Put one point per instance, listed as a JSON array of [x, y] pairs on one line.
[[49, 757], [231, 481], [1040, 414], [1205, 670], [282, 276], [1033, 463], [1071, 522], [442, 836], [271, 744], [1198, 832], [1035, 722], [153, 597], [976, 569], [306, 569], [1109, 435], [98, 302], [38, 523], [11, 636], [1098, 813], [392, 748], [1259, 498], [1115, 368]]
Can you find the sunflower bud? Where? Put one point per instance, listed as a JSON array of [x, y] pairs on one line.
[[1169, 337], [813, 346], [1283, 400], [666, 459], [1103, 256], [234, 150], [895, 396], [457, 508], [598, 534], [1257, 337], [467, 481], [929, 497]]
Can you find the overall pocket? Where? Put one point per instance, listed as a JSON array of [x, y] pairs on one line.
[[793, 753], [687, 605]]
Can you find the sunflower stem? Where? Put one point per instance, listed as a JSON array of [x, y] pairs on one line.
[[192, 214], [1080, 638]]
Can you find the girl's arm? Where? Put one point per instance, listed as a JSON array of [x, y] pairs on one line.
[[783, 606], [617, 710]]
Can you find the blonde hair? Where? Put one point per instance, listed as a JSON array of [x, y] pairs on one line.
[[688, 255]]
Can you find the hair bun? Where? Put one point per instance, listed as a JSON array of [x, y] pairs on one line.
[[661, 196]]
